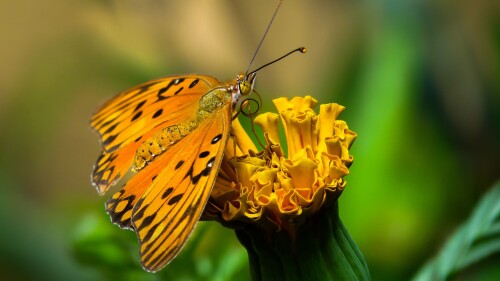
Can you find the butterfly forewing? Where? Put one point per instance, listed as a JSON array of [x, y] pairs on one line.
[[121, 119], [125, 121]]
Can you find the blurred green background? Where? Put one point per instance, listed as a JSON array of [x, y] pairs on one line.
[[420, 80]]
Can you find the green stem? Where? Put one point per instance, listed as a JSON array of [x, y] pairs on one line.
[[322, 250]]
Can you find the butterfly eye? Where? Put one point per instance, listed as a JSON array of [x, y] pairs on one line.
[[246, 84], [245, 87]]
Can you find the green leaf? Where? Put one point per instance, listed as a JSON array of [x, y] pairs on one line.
[[473, 242]]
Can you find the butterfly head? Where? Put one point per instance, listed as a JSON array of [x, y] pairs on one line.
[[241, 88], [245, 83]]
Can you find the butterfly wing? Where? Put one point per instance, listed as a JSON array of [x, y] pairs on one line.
[[128, 119], [122, 203], [167, 212]]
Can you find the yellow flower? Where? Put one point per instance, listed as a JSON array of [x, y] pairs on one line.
[[279, 190]]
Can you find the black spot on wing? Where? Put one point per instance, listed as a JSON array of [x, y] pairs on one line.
[[139, 105], [111, 129], [158, 113], [167, 192], [209, 166], [204, 154], [195, 81], [175, 199], [136, 116], [205, 172], [148, 220], [179, 164], [194, 179], [178, 91], [109, 140], [216, 139], [140, 213], [163, 90], [150, 233], [138, 139]]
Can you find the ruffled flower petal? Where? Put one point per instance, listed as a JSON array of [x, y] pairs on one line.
[[277, 190]]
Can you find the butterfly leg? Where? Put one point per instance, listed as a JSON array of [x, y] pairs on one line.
[[231, 135]]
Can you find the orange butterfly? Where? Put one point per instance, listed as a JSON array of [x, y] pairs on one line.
[[173, 131]]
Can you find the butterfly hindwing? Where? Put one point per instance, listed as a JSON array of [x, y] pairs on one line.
[[169, 209], [120, 205]]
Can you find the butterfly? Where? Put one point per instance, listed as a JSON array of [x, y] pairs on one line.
[[173, 132]]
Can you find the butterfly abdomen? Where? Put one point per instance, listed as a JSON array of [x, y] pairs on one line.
[[160, 142], [167, 137]]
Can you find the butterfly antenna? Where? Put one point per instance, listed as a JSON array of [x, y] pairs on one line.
[[301, 49], [264, 36]]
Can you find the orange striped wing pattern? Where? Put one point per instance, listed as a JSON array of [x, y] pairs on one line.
[[173, 131]]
